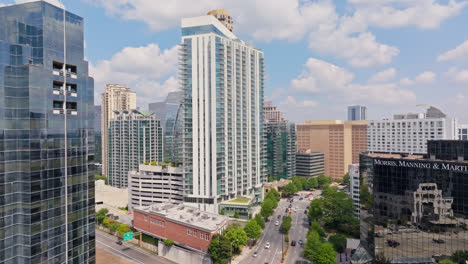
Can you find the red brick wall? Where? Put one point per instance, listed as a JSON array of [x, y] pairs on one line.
[[171, 230]]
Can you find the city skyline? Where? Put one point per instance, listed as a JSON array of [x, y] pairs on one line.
[[406, 57]]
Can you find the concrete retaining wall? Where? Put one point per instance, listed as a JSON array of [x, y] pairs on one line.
[[182, 255]]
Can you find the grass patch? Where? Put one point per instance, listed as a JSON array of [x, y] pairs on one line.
[[240, 200]]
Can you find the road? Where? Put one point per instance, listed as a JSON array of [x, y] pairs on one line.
[[128, 251], [272, 234]]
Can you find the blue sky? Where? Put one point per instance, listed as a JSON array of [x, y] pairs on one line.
[[321, 56]]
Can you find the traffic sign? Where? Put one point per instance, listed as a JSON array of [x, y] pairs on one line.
[[128, 236]]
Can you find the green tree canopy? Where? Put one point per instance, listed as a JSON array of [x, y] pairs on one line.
[[365, 196], [299, 182], [237, 236], [315, 226], [312, 182], [236, 214], [460, 256], [312, 244], [123, 228], [274, 194], [252, 229], [315, 210], [286, 224], [323, 181], [290, 189], [346, 179], [168, 242], [114, 226], [338, 212], [220, 249], [267, 208], [324, 255], [258, 218], [338, 242]]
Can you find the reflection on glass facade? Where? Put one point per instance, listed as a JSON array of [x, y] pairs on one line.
[[33, 223], [414, 208], [280, 149]]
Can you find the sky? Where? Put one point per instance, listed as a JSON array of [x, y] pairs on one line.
[[321, 56]]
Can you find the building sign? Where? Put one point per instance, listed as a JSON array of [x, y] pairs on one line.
[[421, 165], [128, 236]]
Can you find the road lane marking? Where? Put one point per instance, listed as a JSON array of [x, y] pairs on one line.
[[118, 252]]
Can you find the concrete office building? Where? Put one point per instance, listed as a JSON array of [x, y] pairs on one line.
[[409, 133], [170, 115], [223, 82], [357, 112], [115, 98], [185, 225], [354, 187], [135, 137], [272, 113], [309, 164], [155, 184], [47, 188], [418, 212], [340, 143], [463, 132]]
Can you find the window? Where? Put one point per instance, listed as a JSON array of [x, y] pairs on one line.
[[146, 218]]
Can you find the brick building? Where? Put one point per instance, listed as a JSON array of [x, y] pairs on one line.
[[186, 226]]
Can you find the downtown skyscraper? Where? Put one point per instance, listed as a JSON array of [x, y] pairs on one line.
[[222, 79], [46, 137]]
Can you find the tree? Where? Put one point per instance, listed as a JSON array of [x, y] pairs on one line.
[[312, 244], [258, 218], [114, 226], [365, 196], [220, 249], [222, 212], [286, 224], [100, 177], [346, 179], [101, 215], [323, 181], [236, 214], [237, 236], [315, 226], [154, 163], [122, 229], [460, 256], [252, 229], [338, 211], [107, 222], [338, 242], [267, 208], [299, 182], [271, 179], [274, 194], [325, 254], [167, 242], [312, 183], [273, 200], [315, 210], [290, 189]]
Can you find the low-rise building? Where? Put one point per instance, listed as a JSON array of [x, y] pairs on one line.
[[154, 184], [243, 205], [187, 226], [309, 164]]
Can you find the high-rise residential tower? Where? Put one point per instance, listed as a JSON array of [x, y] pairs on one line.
[[115, 98], [46, 137], [357, 113], [409, 133], [223, 82], [135, 137], [271, 112]]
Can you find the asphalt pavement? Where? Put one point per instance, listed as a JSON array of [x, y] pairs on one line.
[[128, 251], [272, 234]]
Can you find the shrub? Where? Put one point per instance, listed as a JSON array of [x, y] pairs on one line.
[[168, 242]]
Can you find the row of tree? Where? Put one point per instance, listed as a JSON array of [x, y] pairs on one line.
[[306, 183], [316, 248], [269, 203], [114, 226]]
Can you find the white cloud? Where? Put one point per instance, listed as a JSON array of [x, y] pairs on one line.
[[323, 78], [424, 14], [426, 77], [53, 2], [292, 102], [383, 76], [460, 52], [148, 70], [460, 76]]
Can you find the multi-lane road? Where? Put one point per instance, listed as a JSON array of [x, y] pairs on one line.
[[272, 234], [127, 250]]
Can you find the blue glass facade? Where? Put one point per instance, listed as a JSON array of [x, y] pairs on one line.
[[33, 220]]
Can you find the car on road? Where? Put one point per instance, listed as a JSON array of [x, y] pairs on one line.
[[279, 216], [277, 223], [300, 242], [287, 210], [305, 211], [255, 254], [438, 241], [393, 243], [119, 242], [290, 205], [267, 245], [293, 243], [302, 198]]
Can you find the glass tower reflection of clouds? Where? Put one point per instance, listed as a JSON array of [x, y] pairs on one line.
[[32, 137]]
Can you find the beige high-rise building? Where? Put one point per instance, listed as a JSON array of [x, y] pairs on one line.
[[340, 142], [115, 97]]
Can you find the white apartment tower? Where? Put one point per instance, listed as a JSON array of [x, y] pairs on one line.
[[223, 82], [409, 133], [115, 98]]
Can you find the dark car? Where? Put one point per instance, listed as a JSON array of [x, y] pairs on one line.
[[279, 216], [287, 210], [302, 198], [293, 243], [119, 243], [438, 241], [305, 211], [393, 243], [290, 205]]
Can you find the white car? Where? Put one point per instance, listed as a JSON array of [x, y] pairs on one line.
[[267, 245], [277, 223]]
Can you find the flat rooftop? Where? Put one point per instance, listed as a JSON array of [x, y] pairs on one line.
[[243, 200], [186, 215]]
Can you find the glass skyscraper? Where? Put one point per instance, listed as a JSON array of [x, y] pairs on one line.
[[280, 149], [223, 82], [414, 208], [46, 138], [357, 112]]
